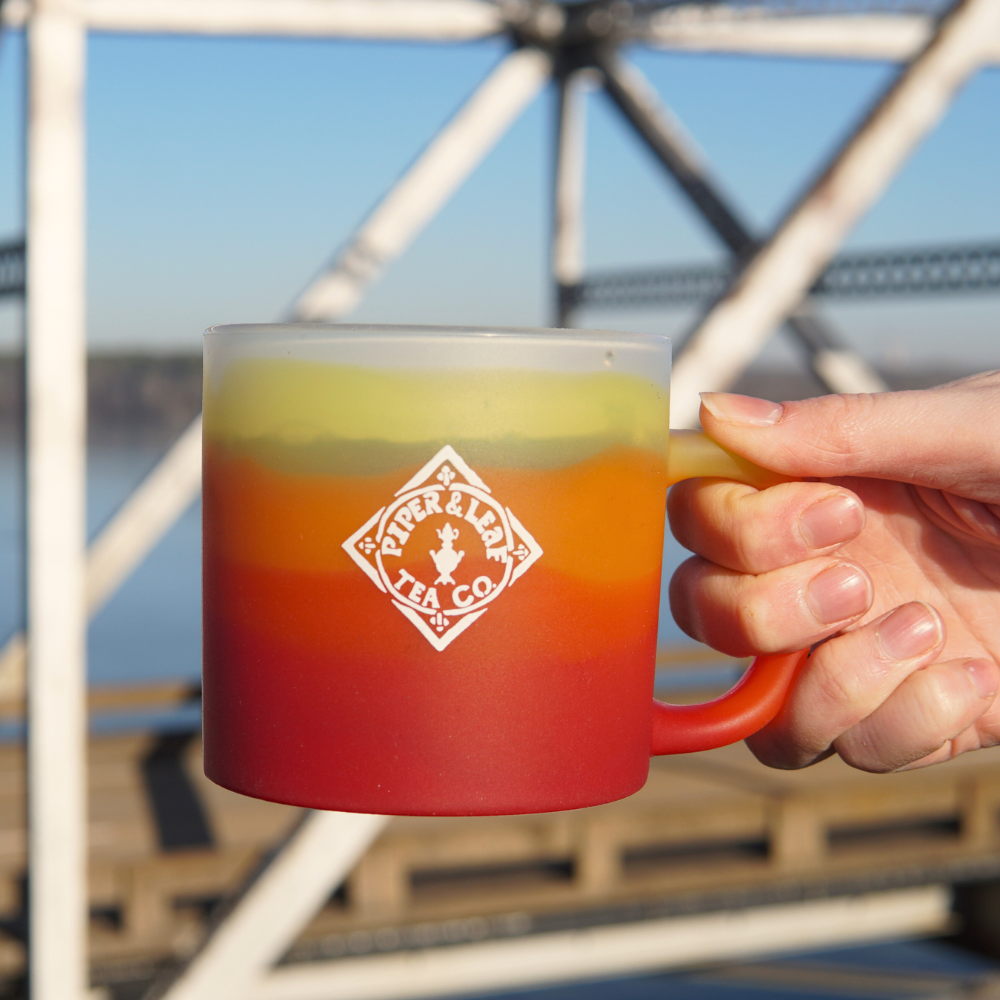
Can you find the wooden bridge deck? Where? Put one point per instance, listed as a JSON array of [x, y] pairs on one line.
[[708, 830]]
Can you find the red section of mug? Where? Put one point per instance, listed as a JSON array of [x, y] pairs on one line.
[[503, 721]]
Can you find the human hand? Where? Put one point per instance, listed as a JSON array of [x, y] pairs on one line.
[[891, 562]]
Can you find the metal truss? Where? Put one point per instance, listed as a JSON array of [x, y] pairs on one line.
[[932, 270], [893, 30]]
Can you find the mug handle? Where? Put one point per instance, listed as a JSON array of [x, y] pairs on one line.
[[762, 690]]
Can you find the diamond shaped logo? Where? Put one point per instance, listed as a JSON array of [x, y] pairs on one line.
[[444, 549]]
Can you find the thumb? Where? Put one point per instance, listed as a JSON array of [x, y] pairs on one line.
[[945, 438]]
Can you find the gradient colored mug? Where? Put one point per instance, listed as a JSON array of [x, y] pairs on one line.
[[432, 563]]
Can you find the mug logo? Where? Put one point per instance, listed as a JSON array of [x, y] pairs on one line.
[[444, 549]]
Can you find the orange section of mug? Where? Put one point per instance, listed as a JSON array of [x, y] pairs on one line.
[[600, 520]]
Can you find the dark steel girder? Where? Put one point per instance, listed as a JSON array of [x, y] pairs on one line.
[[861, 274]]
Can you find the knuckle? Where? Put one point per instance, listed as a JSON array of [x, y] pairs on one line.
[[845, 419], [748, 552], [921, 724], [680, 503], [694, 603], [754, 631], [740, 535], [763, 618], [841, 695], [939, 703]]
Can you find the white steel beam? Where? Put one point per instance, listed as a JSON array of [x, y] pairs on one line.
[[405, 20], [567, 207], [751, 31], [846, 371], [567, 230], [690, 27], [442, 167], [275, 907], [621, 949], [56, 502], [784, 269], [122, 544]]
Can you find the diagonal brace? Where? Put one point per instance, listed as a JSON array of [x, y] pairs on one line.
[[665, 137], [260, 924], [838, 368], [432, 179]]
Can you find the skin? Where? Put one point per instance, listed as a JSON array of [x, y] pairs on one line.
[[905, 619]]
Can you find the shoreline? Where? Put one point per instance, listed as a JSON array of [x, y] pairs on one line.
[[150, 398]]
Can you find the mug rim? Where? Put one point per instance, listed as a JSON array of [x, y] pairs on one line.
[[346, 331]]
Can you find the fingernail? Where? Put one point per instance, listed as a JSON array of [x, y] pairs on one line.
[[833, 520], [838, 593], [983, 677], [909, 631], [742, 409]]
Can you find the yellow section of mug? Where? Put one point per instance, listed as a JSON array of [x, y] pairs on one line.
[[297, 403]]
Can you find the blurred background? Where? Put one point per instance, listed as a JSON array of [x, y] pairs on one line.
[[223, 173]]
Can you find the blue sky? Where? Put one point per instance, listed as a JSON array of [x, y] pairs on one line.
[[224, 172]]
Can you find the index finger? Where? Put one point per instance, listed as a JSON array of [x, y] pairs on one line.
[[944, 438]]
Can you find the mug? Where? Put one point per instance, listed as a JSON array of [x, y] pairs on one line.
[[432, 562]]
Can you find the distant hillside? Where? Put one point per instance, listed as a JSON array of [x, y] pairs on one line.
[[129, 397], [153, 397]]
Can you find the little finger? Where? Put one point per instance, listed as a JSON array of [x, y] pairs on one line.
[[931, 707], [845, 680]]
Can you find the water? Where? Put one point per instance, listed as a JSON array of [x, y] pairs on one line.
[[151, 628]]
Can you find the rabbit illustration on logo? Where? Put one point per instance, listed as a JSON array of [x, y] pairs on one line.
[[446, 559]]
